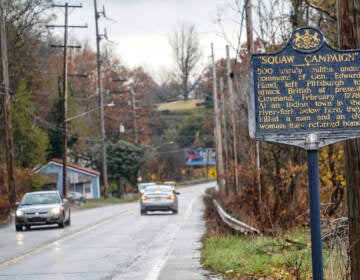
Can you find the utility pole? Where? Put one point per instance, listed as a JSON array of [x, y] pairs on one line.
[[230, 76], [250, 47], [133, 105], [349, 38], [66, 6], [218, 140], [5, 94], [224, 133], [121, 125], [65, 94], [133, 108], [101, 100]]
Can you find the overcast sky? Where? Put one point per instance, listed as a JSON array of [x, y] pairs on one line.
[[140, 29]]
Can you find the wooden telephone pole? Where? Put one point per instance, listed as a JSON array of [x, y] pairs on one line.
[[349, 38], [250, 47], [5, 94], [66, 46], [217, 132], [230, 76], [99, 62]]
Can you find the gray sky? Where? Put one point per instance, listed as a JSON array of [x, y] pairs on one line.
[[139, 29]]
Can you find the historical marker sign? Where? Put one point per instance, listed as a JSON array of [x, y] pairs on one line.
[[308, 88]]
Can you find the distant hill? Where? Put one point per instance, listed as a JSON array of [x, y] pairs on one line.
[[181, 105]]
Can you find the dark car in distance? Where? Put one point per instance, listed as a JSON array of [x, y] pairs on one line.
[[42, 208]]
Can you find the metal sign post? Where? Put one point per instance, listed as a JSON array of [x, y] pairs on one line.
[[314, 201]]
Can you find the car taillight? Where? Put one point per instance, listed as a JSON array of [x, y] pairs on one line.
[[172, 197], [144, 197]]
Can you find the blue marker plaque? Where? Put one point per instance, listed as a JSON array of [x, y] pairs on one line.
[[308, 88]]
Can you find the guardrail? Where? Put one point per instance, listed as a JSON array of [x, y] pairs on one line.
[[234, 223]]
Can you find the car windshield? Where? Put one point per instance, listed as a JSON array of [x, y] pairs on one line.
[[162, 188], [143, 186], [40, 198]]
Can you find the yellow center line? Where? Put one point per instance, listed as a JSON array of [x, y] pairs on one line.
[[67, 237]]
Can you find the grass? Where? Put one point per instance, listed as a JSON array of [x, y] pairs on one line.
[[337, 261], [259, 256]]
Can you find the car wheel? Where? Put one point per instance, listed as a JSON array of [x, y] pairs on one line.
[[62, 222], [175, 211], [68, 222], [142, 212], [18, 228]]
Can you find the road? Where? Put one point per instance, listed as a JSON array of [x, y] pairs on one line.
[[112, 242]]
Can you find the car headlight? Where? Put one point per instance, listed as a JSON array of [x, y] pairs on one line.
[[19, 212], [55, 211]]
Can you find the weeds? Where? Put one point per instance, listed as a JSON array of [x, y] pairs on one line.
[[276, 256], [258, 256], [287, 256]]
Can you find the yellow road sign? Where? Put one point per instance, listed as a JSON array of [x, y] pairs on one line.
[[212, 173]]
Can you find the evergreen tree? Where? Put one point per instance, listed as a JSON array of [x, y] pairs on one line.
[[55, 148]]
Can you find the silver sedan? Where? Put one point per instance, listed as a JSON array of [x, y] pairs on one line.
[[159, 198], [42, 208]]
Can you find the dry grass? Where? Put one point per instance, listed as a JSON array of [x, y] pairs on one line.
[[279, 254], [180, 105]]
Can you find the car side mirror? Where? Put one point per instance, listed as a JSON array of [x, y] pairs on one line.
[[177, 193], [17, 204]]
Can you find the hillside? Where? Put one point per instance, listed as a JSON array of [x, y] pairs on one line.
[[180, 105]]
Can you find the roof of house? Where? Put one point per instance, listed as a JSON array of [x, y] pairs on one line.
[[71, 165]]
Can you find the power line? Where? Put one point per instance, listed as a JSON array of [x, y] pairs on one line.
[[241, 28]]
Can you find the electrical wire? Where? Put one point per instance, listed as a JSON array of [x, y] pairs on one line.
[[240, 34], [51, 126]]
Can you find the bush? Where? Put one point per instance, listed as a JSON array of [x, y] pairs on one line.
[[25, 182]]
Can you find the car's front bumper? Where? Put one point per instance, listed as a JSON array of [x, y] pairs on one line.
[[33, 220]]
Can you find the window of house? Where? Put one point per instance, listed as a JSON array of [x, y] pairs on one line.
[[87, 188]]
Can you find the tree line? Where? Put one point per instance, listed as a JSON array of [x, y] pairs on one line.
[[36, 96]]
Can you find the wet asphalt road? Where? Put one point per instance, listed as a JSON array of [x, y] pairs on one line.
[[112, 242]]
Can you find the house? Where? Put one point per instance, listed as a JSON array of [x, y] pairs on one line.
[[80, 179]]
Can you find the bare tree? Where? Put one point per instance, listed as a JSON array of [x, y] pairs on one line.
[[186, 47], [272, 26]]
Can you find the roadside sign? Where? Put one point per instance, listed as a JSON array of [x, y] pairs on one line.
[[212, 173], [200, 156], [306, 95], [307, 88]]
